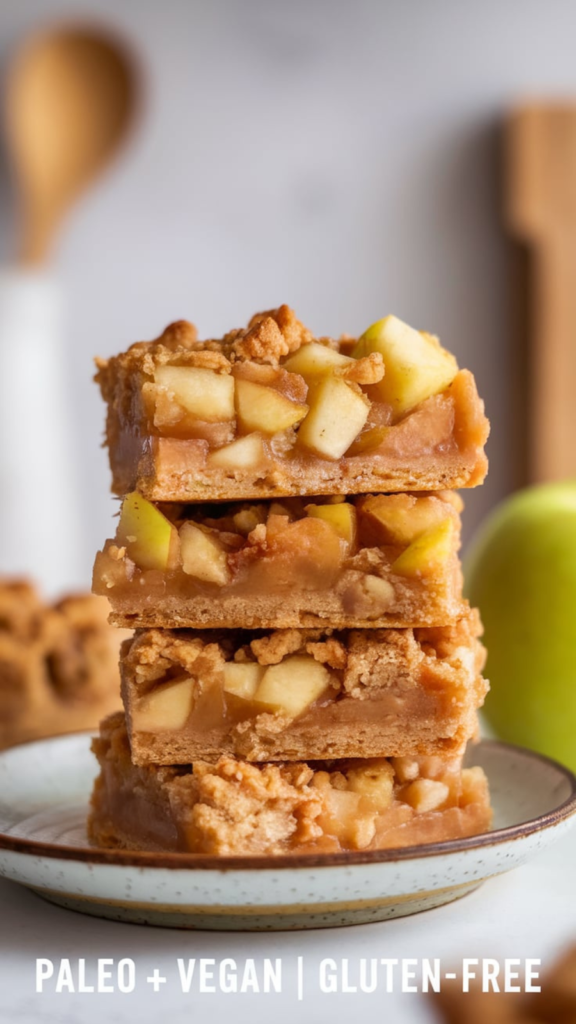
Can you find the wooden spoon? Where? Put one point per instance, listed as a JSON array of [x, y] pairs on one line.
[[70, 97]]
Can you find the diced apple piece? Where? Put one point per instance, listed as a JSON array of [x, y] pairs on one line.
[[380, 594], [406, 768], [290, 385], [375, 782], [368, 441], [243, 678], [426, 795], [368, 597], [262, 408], [248, 519], [293, 685], [341, 815], [278, 528], [187, 427], [203, 393], [337, 415], [244, 453], [150, 539], [314, 360], [165, 708], [428, 553], [306, 554], [342, 517], [277, 508], [416, 364], [401, 518], [203, 556], [473, 786], [260, 373]]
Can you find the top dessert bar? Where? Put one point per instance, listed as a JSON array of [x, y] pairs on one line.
[[270, 411]]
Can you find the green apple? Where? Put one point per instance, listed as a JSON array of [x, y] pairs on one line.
[[521, 574]]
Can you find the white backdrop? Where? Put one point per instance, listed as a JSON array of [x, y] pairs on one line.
[[339, 156]]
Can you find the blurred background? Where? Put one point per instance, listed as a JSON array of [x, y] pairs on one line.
[[342, 157]]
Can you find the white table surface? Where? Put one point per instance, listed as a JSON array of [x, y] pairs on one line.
[[530, 912]]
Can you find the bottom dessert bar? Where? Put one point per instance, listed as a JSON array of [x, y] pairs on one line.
[[236, 808]]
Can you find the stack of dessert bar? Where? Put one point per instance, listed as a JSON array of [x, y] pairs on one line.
[[305, 673]]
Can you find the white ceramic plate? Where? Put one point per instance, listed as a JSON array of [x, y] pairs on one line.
[[44, 793]]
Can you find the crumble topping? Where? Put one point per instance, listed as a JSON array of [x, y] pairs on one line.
[[234, 805], [268, 338], [368, 370]]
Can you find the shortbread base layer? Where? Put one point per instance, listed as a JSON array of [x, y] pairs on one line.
[[235, 808], [302, 694], [306, 610]]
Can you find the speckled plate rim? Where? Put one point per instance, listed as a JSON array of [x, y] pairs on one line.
[[143, 859]]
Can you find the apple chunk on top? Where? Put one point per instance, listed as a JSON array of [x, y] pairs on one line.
[[416, 365], [320, 395]]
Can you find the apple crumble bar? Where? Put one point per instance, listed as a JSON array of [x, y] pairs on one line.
[[302, 694], [270, 411], [380, 560], [235, 808], [58, 664]]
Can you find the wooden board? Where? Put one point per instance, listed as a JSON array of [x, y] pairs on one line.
[[540, 211]]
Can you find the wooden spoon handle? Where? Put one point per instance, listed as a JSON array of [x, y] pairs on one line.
[[552, 426], [541, 214]]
